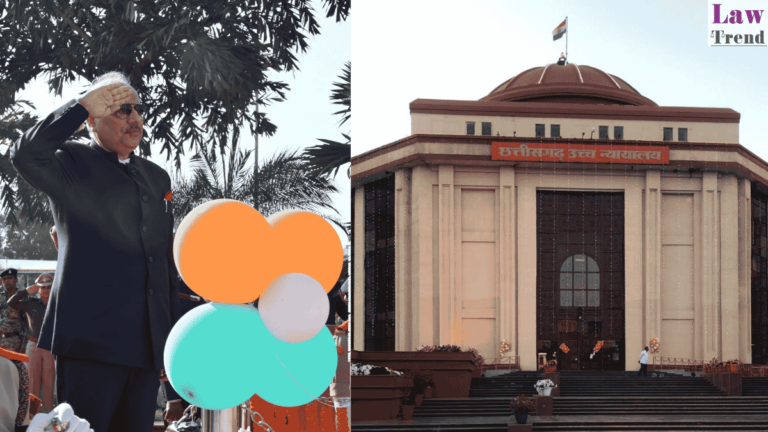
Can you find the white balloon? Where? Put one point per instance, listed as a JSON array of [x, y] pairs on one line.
[[294, 307]]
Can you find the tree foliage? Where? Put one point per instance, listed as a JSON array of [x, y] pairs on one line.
[[28, 240], [330, 155], [202, 67], [284, 181]]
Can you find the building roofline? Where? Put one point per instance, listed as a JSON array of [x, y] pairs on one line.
[[570, 110], [422, 158]]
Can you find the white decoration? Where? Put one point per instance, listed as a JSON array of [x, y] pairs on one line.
[[294, 307]]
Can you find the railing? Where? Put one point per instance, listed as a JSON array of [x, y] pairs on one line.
[[504, 363], [749, 370], [687, 365]]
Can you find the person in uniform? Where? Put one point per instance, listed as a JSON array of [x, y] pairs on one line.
[[41, 364], [14, 390], [12, 326], [114, 224]]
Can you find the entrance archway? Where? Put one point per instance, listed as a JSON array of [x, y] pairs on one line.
[[580, 278]]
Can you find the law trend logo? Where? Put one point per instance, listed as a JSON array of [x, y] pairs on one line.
[[737, 23]]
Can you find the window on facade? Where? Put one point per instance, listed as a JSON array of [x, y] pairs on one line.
[[470, 128], [554, 131], [667, 134], [682, 134], [759, 276], [618, 132], [579, 282], [486, 128], [539, 131], [603, 132], [379, 265]]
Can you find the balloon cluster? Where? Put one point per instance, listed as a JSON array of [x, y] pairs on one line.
[[222, 353]]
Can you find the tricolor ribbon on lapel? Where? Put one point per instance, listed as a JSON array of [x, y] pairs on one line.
[[168, 197]]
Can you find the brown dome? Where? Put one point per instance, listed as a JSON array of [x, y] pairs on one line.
[[568, 84]]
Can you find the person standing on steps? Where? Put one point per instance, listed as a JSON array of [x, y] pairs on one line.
[[643, 362]]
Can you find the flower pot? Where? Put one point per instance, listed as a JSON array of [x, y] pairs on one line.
[[407, 411], [546, 391], [378, 397], [428, 393], [521, 418], [451, 372], [418, 399]]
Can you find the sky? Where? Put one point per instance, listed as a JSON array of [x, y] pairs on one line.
[[456, 50], [305, 116]]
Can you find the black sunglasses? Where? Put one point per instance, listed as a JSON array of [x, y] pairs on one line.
[[125, 110]]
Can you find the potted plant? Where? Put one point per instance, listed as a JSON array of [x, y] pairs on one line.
[[377, 392], [478, 361], [544, 387], [420, 382], [449, 366], [521, 406]]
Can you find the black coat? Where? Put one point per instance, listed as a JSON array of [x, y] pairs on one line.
[[114, 297]]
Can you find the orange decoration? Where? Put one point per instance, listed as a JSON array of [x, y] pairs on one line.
[[12, 355], [223, 238], [598, 346], [310, 417], [342, 420], [564, 348], [169, 196], [344, 326]]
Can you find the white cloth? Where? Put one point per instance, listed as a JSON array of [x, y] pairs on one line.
[[65, 414], [644, 357], [345, 287], [9, 395]]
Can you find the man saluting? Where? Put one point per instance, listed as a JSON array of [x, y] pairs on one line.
[[114, 299]]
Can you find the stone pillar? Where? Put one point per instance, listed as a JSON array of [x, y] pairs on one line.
[[633, 275], [507, 261], [447, 294], [710, 281], [652, 256], [403, 295], [424, 295], [729, 266], [526, 277], [358, 267], [745, 271]]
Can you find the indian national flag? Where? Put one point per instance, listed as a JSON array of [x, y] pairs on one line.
[[560, 30]]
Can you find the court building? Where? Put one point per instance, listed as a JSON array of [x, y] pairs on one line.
[[563, 209]]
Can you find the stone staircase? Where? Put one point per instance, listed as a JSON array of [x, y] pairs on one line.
[[756, 386], [595, 401], [628, 384], [508, 385]]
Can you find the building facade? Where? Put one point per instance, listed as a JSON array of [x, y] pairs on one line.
[[562, 210]]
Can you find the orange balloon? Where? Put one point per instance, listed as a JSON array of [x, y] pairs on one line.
[[227, 252]]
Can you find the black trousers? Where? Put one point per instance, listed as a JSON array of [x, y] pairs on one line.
[[112, 398], [643, 370]]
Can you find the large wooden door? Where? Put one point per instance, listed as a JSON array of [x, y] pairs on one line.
[[580, 278]]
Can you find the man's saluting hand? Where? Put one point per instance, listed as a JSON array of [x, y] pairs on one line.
[[105, 100]]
